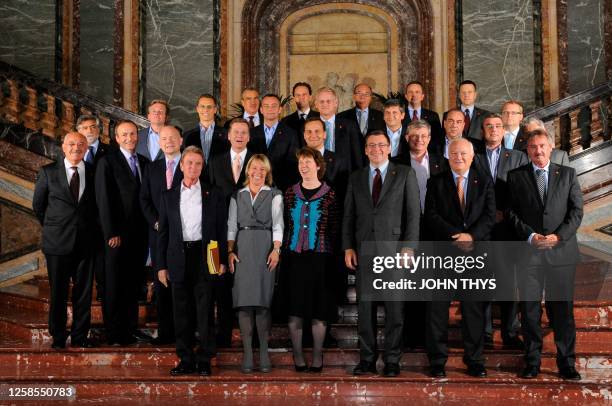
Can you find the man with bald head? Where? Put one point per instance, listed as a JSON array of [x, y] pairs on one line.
[[362, 115], [454, 124], [159, 176], [118, 181], [64, 203], [342, 136], [459, 207]]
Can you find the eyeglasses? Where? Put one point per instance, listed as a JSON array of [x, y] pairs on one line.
[[379, 145]]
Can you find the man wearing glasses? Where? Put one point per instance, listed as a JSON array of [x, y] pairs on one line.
[[381, 205], [511, 115]]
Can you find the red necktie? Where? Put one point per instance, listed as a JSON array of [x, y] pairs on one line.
[[376, 187], [415, 116], [251, 122], [466, 127]]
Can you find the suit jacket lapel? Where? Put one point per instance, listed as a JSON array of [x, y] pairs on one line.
[[452, 187], [63, 180], [530, 173], [365, 184], [553, 179], [473, 185], [389, 178]]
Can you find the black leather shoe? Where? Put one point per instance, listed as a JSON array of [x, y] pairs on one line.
[[391, 370], [477, 370], [315, 370], [364, 368], [569, 373], [301, 368], [437, 372], [85, 343], [203, 368], [58, 344], [182, 368], [162, 341], [141, 336], [488, 341], [513, 343], [127, 340], [530, 372]]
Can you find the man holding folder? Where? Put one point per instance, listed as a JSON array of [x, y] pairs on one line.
[[192, 215]]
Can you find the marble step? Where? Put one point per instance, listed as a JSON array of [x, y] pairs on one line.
[[284, 382], [27, 354]]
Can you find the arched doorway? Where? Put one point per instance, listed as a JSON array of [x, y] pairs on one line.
[[264, 21]]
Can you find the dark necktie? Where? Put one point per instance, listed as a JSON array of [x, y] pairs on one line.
[[251, 122], [74, 183], [90, 156], [466, 127], [415, 115], [303, 117], [541, 180], [376, 187]]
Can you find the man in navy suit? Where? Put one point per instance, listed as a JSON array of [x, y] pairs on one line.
[[158, 113], [118, 180], [362, 115], [415, 111], [250, 102], [302, 96], [161, 175], [459, 208], [191, 215], [207, 135], [89, 126], [473, 116], [64, 203], [277, 141], [546, 209]]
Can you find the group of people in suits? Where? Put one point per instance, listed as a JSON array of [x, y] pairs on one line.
[[311, 188]]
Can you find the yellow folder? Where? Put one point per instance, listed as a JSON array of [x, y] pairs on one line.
[[212, 254]]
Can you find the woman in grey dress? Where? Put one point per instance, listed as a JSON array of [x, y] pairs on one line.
[[255, 233]]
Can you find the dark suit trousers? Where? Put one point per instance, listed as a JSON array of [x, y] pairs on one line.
[[98, 265], [124, 272], [556, 280], [77, 266], [504, 268], [366, 326], [163, 297], [222, 296], [192, 299], [472, 331]]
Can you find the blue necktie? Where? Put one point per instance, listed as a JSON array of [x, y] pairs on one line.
[[90, 156], [328, 138]]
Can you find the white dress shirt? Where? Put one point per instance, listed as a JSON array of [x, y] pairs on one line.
[[255, 118], [81, 170], [191, 212]]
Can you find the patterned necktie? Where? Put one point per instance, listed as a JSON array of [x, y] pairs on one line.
[[541, 181], [74, 183], [90, 155], [376, 187], [363, 122], [251, 122], [460, 193], [236, 168], [415, 115], [466, 127], [328, 137], [169, 174], [492, 155], [133, 166]]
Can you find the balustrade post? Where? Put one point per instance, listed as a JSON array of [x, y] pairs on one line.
[[13, 106], [105, 135], [49, 119], [67, 117], [31, 114], [565, 131]]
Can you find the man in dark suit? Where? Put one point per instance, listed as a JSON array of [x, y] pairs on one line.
[[89, 126], [512, 115], [381, 204], [159, 176], [158, 113], [459, 207], [64, 203], [227, 172], [302, 96], [454, 124], [342, 136], [496, 162], [473, 115], [250, 102], [365, 118], [425, 164], [546, 209], [192, 215], [277, 141], [209, 137], [414, 111], [557, 156], [118, 180], [393, 114]]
